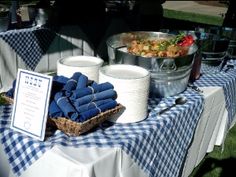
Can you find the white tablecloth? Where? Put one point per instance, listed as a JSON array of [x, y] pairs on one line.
[[82, 162], [102, 162], [211, 129]]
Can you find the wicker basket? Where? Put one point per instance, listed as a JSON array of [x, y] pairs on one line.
[[73, 128]]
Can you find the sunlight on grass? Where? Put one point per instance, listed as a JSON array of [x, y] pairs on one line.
[[193, 17]]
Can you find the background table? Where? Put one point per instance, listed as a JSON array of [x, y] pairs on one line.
[[38, 49], [221, 115], [208, 132]]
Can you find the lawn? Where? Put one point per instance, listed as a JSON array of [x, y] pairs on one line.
[[193, 17], [220, 162]]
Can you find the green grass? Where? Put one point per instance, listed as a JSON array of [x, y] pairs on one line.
[[8, 2], [221, 162], [193, 17]]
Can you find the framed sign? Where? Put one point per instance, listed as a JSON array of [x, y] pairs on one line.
[[31, 102]]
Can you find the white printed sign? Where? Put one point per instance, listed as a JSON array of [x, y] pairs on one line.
[[31, 100]]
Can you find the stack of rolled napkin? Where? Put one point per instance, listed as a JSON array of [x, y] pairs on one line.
[[78, 98]]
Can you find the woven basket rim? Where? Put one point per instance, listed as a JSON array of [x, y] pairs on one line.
[[76, 128], [119, 106]]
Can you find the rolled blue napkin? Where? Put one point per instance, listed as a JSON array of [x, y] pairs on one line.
[[95, 111], [95, 97], [82, 82], [54, 110], [64, 104], [10, 92], [101, 87], [111, 93], [111, 104], [57, 84], [88, 114], [94, 88], [71, 83], [81, 92], [60, 79], [69, 87], [91, 105]]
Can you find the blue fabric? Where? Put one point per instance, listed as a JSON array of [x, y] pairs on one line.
[[29, 43], [95, 97], [111, 104], [91, 105], [211, 76], [81, 92], [54, 110], [72, 83], [65, 105], [105, 95], [94, 88], [60, 79], [10, 92], [82, 82], [96, 110], [57, 84], [88, 114], [101, 87]]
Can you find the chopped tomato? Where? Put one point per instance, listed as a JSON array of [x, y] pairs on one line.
[[186, 41]]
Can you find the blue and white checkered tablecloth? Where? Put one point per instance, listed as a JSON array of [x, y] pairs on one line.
[[209, 69], [159, 144], [227, 80], [30, 43]]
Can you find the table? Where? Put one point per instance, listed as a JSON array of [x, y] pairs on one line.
[[89, 164], [208, 132], [38, 49], [165, 145], [101, 157], [152, 141], [221, 117]]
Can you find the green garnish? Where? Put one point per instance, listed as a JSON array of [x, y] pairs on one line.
[[177, 38]]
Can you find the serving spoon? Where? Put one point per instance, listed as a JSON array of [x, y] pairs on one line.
[[229, 66], [194, 87], [178, 101]]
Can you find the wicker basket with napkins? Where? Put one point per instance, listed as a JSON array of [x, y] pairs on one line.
[[78, 104]]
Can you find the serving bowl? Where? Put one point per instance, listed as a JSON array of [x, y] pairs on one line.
[[118, 54], [164, 71]]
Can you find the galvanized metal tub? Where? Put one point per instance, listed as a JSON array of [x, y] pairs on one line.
[[169, 76]]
